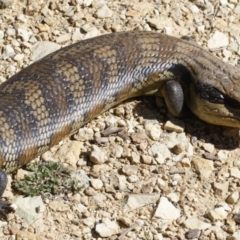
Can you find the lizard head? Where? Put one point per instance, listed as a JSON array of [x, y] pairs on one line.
[[218, 104]]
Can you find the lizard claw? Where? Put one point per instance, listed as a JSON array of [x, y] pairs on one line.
[[5, 209]]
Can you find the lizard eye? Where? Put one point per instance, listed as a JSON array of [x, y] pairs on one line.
[[211, 94], [215, 96]]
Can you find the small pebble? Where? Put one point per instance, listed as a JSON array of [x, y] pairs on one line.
[[193, 233]]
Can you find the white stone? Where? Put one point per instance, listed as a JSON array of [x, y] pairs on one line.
[[81, 208], [117, 151], [135, 201], [120, 182], [140, 222], [226, 206], [47, 12], [41, 49], [90, 221], [222, 155], [19, 57], [5, 3], [201, 28], [235, 236], [3, 224], [27, 208], [192, 223], [22, 18], [111, 120], [208, 147], [224, 2], [217, 214], [173, 197], [132, 123], [186, 162], [8, 52], [63, 38], [209, 7], [97, 155], [235, 172], [166, 210], [168, 30], [174, 125], [135, 157], [85, 3], [76, 36], [87, 28], [159, 22], [160, 152], [159, 236], [203, 166], [69, 153], [96, 184], [81, 178], [217, 41], [233, 198], [1, 34], [237, 9], [130, 169], [98, 3], [153, 130], [174, 138], [161, 182], [104, 12], [24, 34], [133, 178], [107, 228], [221, 189], [100, 198], [11, 32], [194, 9], [84, 134], [227, 54]]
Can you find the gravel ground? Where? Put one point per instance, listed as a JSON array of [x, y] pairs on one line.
[[152, 176]]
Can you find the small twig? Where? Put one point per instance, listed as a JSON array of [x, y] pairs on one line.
[[123, 234]]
